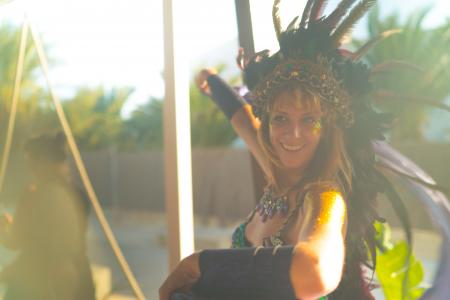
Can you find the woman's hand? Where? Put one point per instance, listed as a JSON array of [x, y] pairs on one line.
[[186, 273], [201, 80], [6, 221]]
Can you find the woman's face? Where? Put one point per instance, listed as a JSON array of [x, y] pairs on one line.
[[294, 129]]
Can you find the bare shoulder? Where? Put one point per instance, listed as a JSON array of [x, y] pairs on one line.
[[324, 210], [328, 199]]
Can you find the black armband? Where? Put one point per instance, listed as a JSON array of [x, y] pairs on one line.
[[246, 273], [228, 100]]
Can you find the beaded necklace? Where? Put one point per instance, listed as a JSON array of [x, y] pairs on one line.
[[269, 205]]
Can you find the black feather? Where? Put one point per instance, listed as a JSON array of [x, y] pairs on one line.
[[317, 9], [306, 13], [347, 24], [341, 10], [292, 25]]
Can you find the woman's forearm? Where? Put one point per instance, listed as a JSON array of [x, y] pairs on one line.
[[288, 272], [246, 273], [246, 125], [224, 96], [240, 115], [316, 269]]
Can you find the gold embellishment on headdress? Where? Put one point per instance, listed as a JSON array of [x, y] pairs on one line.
[[315, 75]]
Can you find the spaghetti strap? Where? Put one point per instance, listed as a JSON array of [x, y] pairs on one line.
[[250, 216], [293, 213]]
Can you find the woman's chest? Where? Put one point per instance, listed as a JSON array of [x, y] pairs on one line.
[[288, 229]]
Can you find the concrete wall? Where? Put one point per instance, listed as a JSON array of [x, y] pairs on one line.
[[222, 180]]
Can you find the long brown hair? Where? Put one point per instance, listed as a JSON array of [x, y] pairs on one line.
[[331, 167]]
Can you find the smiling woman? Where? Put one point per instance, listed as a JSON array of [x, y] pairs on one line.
[[312, 127], [304, 99]]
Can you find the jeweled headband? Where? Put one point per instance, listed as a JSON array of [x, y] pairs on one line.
[[316, 76]]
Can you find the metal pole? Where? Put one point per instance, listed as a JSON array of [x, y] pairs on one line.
[[245, 29], [246, 41], [177, 139]]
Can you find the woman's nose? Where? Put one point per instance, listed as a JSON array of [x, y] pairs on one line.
[[297, 131]]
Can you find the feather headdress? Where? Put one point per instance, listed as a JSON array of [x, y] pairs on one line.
[[310, 54]]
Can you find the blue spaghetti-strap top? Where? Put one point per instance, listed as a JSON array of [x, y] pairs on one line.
[[238, 239]]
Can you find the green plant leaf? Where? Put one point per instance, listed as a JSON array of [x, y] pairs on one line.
[[393, 267]]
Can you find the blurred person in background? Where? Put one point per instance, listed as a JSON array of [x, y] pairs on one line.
[[48, 230]]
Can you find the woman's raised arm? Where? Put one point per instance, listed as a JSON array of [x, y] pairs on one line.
[[237, 111]]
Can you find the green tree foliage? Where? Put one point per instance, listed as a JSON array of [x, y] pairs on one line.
[[93, 113], [9, 48], [429, 49], [34, 102], [95, 116], [143, 130], [209, 126]]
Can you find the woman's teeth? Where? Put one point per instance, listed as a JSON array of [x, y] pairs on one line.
[[291, 147]]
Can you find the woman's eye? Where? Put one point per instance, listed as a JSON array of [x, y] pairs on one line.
[[309, 120], [279, 119], [312, 122]]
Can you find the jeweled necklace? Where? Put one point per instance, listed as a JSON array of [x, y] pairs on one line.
[[269, 205]]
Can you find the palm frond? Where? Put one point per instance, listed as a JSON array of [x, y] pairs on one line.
[[347, 24], [276, 18], [369, 45], [393, 65], [384, 95]]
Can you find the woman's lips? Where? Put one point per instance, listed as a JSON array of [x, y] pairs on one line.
[[292, 148]]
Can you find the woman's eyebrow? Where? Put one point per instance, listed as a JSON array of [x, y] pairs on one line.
[[280, 112], [312, 112], [307, 112]]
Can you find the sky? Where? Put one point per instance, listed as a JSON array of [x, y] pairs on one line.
[[120, 42]]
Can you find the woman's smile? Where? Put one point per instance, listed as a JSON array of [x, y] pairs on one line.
[[292, 148]]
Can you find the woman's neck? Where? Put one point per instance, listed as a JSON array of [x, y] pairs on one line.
[[287, 178]]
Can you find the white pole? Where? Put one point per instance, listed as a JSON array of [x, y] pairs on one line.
[[177, 138]]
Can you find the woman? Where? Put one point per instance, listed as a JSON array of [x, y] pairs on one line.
[[313, 229], [48, 230]]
